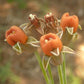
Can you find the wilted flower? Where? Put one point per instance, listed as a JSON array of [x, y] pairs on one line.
[[50, 42], [14, 35], [49, 18], [69, 21], [34, 20], [51, 23]]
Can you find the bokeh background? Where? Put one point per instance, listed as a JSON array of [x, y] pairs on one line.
[[24, 68]]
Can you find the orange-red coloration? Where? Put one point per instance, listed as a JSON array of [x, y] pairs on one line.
[[53, 42], [14, 35], [69, 21]]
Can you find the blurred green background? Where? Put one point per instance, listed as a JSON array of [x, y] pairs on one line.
[[24, 68]]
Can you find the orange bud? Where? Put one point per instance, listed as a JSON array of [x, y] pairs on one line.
[[14, 35], [49, 42], [69, 21]]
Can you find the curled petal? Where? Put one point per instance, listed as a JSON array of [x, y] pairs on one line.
[[68, 50], [23, 26], [17, 48], [75, 36], [34, 42], [70, 30], [56, 52], [59, 34], [79, 26], [40, 30], [31, 39]]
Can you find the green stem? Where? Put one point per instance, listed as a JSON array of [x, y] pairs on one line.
[[41, 66], [50, 74], [60, 74], [64, 69]]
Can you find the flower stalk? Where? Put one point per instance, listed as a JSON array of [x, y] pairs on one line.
[[50, 74], [41, 66], [60, 73], [64, 69]]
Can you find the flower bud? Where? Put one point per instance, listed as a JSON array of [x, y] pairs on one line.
[[14, 35]]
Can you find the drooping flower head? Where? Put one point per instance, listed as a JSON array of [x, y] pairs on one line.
[[69, 21], [14, 35], [49, 42]]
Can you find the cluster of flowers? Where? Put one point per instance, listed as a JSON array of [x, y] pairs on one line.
[[49, 33]]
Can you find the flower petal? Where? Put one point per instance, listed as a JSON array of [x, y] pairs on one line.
[[70, 30], [68, 50], [32, 41], [79, 26], [59, 34], [75, 36], [17, 48], [55, 52], [23, 26], [40, 30]]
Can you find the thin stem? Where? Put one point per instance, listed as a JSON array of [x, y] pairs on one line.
[[60, 74], [41, 66], [50, 74], [64, 69]]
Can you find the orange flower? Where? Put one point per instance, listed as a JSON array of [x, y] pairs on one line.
[[14, 35], [50, 42], [69, 21]]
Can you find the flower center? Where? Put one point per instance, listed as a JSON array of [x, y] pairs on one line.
[[13, 32], [46, 40]]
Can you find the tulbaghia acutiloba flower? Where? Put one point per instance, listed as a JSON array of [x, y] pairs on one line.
[[51, 23], [14, 35], [50, 42], [51, 46], [69, 21], [69, 25], [34, 20], [49, 18]]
